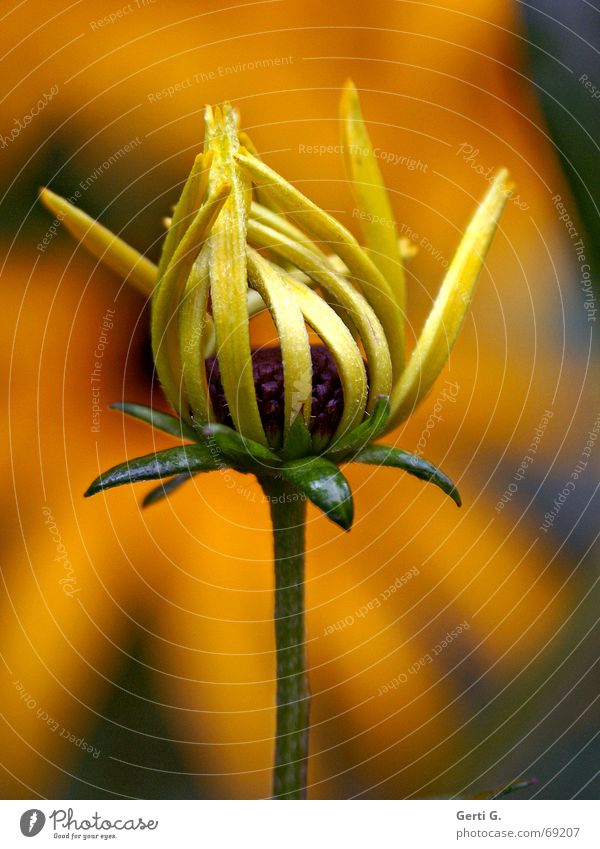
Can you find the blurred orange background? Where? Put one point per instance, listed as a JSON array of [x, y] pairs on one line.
[[137, 647]]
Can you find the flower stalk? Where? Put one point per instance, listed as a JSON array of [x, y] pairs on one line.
[[288, 514]]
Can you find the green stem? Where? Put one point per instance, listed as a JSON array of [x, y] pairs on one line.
[[288, 514]]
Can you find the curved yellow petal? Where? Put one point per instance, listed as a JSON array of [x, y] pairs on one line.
[[375, 214], [262, 215], [349, 299], [167, 297], [323, 227], [194, 324], [247, 143], [282, 224], [293, 338], [103, 244], [406, 250], [189, 201], [255, 306], [447, 315], [336, 336], [228, 276]]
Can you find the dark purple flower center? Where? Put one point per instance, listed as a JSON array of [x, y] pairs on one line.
[[267, 369]]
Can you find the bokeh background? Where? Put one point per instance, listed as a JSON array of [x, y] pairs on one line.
[[136, 648]]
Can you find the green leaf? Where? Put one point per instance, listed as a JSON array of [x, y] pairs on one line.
[[385, 455], [157, 419], [238, 448], [366, 432], [299, 441], [164, 489], [323, 483], [173, 461]]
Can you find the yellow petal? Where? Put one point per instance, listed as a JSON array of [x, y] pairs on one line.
[[104, 245], [189, 201], [447, 315], [323, 227], [255, 306], [374, 210], [194, 324], [263, 199], [228, 276], [336, 336], [282, 224], [295, 347], [167, 297], [343, 293]]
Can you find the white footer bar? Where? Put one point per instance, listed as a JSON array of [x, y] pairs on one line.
[[301, 825]]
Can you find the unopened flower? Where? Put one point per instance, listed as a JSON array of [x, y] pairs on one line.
[[242, 239]]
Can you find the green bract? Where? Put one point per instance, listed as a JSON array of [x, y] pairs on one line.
[[218, 447], [241, 240]]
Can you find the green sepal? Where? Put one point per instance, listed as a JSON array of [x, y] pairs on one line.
[[322, 482], [184, 459], [361, 436], [157, 419], [164, 489], [240, 450], [298, 442], [385, 455]]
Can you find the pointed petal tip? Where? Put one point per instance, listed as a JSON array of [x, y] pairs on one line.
[[502, 179], [349, 102], [50, 199], [487, 215]]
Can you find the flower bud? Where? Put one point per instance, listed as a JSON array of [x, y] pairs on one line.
[[242, 240]]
